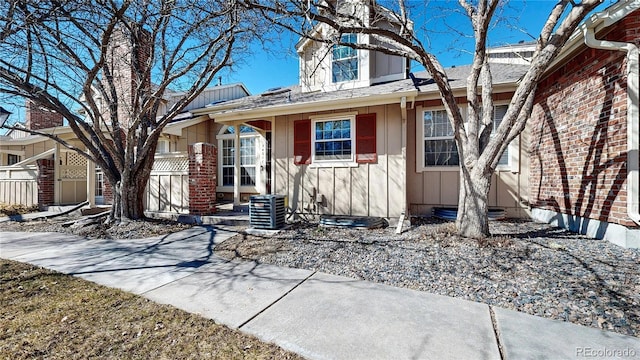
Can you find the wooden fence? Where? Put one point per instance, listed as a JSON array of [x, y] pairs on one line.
[[19, 185], [168, 187]]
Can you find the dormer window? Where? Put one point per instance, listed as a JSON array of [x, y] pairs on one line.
[[344, 66]]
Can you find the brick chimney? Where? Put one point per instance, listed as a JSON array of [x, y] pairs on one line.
[[128, 55], [38, 117]]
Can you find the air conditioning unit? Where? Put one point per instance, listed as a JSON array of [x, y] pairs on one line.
[[267, 211]]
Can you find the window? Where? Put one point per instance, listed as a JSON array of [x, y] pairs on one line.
[[248, 161], [439, 145], [344, 66], [332, 140], [99, 186], [498, 113], [228, 159], [99, 183], [343, 138], [162, 147], [13, 159], [248, 156]]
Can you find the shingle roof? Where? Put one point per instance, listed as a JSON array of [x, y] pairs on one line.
[[422, 82], [501, 74]]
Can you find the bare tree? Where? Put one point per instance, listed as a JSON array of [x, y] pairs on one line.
[[393, 31], [106, 67]]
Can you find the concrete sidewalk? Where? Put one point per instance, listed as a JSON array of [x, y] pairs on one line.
[[317, 315]]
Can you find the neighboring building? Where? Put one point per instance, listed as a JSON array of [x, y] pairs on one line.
[[586, 131], [74, 179], [520, 53]]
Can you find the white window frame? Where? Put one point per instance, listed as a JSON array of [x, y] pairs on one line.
[[350, 162], [420, 139], [258, 148], [99, 186], [163, 146], [221, 146], [513, 149], [355, 56], [15, 156], [243, 157]]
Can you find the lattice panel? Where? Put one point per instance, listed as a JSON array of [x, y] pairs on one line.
[[73, 172], [171, 164], [74, 159]]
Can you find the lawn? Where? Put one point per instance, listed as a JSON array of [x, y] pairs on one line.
[[45, 314]]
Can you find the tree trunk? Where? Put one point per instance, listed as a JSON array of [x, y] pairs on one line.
[[472, 220], [128, 198]]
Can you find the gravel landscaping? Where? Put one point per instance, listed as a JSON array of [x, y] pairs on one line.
[[529, 267], [526, 266]]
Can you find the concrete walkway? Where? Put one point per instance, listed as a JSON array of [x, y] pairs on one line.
[[317, 315]]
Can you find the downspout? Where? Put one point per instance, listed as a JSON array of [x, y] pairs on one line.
[[403, 114], [633, 123]]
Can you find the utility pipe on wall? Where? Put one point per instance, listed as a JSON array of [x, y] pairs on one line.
[[633, 122]]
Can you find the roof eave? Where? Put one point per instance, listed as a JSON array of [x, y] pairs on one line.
[[308, 107], [598, 22]]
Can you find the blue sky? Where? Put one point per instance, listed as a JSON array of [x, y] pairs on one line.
[[266, 71], [263, 70]]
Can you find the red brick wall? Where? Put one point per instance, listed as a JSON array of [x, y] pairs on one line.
[[107, 192], [37, 118], [46, 182], [203, 159], [579, 134]]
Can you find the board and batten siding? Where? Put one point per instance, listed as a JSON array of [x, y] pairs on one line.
[[208, 96], [374, 189], [216, 94], [203, 132], [439, 188], [29, 150]]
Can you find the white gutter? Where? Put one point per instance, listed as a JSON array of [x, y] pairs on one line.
[[633, 125], [304, 107]]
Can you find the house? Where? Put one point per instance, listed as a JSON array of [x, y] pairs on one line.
[[71, 179], [585, 131], [362, 135]]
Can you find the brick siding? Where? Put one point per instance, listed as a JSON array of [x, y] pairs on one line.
[[46, 182], [37, 118], [579, 133], [123, 52], [203, 159], [107, 192]]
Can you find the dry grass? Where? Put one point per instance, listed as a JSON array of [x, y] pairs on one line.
[[11, 210], [49, 315]]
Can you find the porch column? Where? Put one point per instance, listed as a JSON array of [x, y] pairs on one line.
[[203, 162], [91, 183], [236, 162]]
